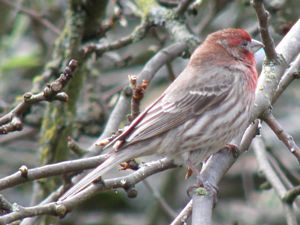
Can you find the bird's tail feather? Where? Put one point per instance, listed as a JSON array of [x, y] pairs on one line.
[[113, 160]]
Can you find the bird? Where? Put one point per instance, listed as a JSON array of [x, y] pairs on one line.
[[202, 110]]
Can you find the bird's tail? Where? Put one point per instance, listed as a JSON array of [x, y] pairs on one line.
[[113, 160]]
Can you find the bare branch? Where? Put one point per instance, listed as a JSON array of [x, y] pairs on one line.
[[291, 74], [61, 208], [161, 201], [268, 81], [138, 33], [261, 156], [74, 147], [283, 135], [51, 170], [5, 205], [12, 121], [291, 194], [263, 19], [184, 214], [23, 212]]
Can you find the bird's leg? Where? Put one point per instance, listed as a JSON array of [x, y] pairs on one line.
[[191, 169], [201, 187]]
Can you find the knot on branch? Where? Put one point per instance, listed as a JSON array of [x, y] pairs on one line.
[[60, 210], [15, 125]]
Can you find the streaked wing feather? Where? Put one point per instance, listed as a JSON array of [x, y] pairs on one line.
[[168, 113], [176, 105]]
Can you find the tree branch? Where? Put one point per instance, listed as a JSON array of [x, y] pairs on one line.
[[283, 135], [12, 121], [61, 208], [291, 194], [138, 33], [56, 169], [261, 156], [290, 75], [263, 19], [184, 214], [287, 49]]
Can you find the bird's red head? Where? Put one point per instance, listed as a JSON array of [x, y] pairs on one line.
[[237, 42]]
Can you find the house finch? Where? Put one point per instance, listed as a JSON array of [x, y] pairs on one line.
[[207, 106]]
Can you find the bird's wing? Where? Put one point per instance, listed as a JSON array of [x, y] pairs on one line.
[[181, 101]]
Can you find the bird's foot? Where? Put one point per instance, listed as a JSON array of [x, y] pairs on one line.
[[204, 188]]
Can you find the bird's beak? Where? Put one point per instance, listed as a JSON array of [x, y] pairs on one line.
[[255, 45]]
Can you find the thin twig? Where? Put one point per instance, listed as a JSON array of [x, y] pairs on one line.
[[261, 156], [291, 74], [51, 170], [286, 138], [74, 147], [27, 131], [138, 33], [5, 205], [12, 121], [208, 17], [184, 214], [263, 19], [161, 201], [291, 194], [61, 208]]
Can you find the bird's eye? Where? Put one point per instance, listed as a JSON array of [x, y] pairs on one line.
[[244, 43]]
